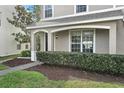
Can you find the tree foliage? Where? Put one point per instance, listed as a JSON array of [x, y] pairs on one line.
[[23, 18], [21, 38]]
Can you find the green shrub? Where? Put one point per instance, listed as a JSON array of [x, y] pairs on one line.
[[113, 64], [26, 53]]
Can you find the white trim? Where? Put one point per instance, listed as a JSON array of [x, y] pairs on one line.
[[69, 41], [43, 12], [78, 22], [81, 49], [33, 56], [94, 41], [44, 42], [86, 13], [54, 37], [24, 57], [53, 11], [76, 27], [114, 6], [44, 18], [75, 9], [41, 30], [87, 8]]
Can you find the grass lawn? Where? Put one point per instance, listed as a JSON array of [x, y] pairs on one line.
[[2, 67], [8, 57], [31, 79]]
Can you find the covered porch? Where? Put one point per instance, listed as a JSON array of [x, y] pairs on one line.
[[85, 38]]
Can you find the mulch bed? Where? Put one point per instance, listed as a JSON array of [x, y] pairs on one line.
[[16, 62], [67, 73]]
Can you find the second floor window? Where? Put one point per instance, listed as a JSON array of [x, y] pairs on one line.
[[48, 11], [81, 8]]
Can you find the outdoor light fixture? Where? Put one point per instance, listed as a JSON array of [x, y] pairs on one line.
[[56, 36]]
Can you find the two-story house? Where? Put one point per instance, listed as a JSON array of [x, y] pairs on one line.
[[8, 45], [80, 28]]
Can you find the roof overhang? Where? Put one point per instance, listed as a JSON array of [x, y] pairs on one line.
[[77, 22], [83, 14]]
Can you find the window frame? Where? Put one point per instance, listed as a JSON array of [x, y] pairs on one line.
[[75, 43], [26, 46], [87, 40], [44, 16], [81, 46], [75, 9], [18, 46]]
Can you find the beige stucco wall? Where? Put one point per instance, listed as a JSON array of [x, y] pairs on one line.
[[120, 37], [102, 37], [41, 14], [119, 5], [62, 42], [99, 7], [102, 41], [8, 45], [61, 10]]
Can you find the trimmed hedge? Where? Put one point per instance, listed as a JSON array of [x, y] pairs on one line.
[[113, 64], [26, 53]]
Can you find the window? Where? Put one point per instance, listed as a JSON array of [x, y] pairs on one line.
[[75, 41], [81, 8], [82, 41], [87, 41], [18, 46], [26, 46], [48, 11]]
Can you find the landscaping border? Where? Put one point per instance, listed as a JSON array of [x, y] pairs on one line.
[[105, 63]]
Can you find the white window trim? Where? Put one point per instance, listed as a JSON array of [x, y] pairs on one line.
[[94, 40], [44, 12], [87, 9]]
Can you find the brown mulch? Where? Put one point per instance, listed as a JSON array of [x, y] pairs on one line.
[[67, 73], [16, 62]]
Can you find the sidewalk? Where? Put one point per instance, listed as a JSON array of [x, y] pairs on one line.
[[21, 67]]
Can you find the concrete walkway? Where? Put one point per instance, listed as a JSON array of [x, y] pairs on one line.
[[21, 67], [2, 61]]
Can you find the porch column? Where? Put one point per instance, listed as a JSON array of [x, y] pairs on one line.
[[112, 39], [49, 41], [33, 52]]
